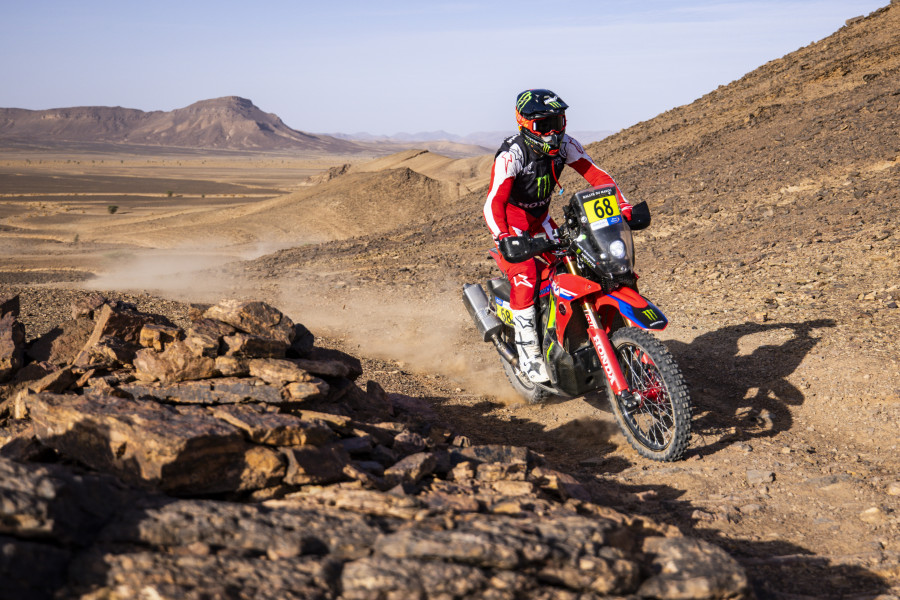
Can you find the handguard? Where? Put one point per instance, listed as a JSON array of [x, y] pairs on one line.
[[516, 249]]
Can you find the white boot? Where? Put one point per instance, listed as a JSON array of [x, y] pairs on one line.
[[530, 361]]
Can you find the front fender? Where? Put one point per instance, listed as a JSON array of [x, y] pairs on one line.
[[639, 311]]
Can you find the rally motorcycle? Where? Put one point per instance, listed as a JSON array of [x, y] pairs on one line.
[[593, 325]]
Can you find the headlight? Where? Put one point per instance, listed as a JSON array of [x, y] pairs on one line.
[[617, 249]]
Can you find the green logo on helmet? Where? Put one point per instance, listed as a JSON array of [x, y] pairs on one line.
[[525, 99], [555, 104]]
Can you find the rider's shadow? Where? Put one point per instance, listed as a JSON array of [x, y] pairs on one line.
[[739, 394]]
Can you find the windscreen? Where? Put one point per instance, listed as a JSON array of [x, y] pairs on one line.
[[604, 237]]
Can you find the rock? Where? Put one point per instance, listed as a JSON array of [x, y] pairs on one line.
[[34, 371], [210, 392], [327, 355], [314, 464], [255, 318], [177, 363], [303, 342], [274, 429], [12, 346], [156, 336], [278, 372], [181, 452], [56, 382], [253, 346], [562, 483], [61, 344], [107, 353], [84, 308], [204, 336], [328, 368], [756, 477], [411, 469], [493, 453], [408, 442], [894, 488], [121, 323], [230, 366], [307, 390], [873, 516], [688, 569]]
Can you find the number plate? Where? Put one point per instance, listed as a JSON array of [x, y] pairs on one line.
[[602, 209]]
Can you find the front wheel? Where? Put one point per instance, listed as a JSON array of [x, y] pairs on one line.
[[658, 424]]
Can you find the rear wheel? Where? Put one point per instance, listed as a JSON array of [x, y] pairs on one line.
[[532, 393], [658, 425]]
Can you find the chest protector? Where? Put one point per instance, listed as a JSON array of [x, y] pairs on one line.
[[534, 184]]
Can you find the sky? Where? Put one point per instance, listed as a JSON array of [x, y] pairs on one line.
[[384, 67]]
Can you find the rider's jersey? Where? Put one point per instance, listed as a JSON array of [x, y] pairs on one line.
[[522, 184]]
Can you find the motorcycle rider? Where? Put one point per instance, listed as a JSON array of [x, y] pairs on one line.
[[526, 170]]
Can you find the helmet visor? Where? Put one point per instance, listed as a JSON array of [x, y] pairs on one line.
[[549, 125]]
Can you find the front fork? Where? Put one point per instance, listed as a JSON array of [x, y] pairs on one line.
[[604, 349]]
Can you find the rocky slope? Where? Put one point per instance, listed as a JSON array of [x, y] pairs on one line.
[[234, 458]]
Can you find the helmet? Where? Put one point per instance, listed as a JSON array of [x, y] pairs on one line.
[[541, 116]]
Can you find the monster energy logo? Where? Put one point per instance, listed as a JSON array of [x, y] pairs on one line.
[[554, 104], [543, 186], [650, 314], [525, 99]]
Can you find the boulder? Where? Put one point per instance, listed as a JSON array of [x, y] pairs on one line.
[[157, 336], [255, 318], [274, 429], [204, 336], [278, 372], [177, 363], [253, 346], [315, 464], [120, 322], [229, 390], [61, 344], [180, 451]]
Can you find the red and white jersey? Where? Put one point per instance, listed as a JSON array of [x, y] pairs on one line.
[[522, 184]]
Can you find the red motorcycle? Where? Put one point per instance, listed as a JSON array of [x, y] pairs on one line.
[[593, 324]]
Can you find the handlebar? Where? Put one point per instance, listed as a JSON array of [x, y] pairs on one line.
[[518, 249]]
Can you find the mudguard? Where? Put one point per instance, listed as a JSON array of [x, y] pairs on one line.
[[639, 311]]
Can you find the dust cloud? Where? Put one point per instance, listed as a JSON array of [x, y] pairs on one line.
[[433, 335]]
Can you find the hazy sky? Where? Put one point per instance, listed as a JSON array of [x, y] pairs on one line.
[[408, 65]]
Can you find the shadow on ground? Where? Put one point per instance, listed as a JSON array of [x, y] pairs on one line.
[[740, 397]]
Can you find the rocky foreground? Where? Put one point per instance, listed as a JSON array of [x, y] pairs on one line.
[[233, 458]]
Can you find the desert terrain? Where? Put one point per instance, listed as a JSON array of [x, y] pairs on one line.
[[773, 252]]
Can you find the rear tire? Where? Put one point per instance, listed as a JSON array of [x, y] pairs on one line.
[[523, 386], [659, 428]]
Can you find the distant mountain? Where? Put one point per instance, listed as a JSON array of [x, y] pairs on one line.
[[230, 123], [489, 140]]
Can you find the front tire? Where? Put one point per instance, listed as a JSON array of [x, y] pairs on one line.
[[532, 393], [659, 427]]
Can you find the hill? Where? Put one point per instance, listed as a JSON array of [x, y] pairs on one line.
[[229, 123]]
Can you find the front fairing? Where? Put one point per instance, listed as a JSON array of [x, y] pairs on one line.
[[603, 239]]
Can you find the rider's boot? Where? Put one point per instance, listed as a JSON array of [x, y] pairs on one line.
[[530, 361]]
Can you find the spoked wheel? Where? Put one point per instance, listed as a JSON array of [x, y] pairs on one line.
[[658, 424]]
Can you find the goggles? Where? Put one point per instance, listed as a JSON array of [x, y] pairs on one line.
[[548, 125]]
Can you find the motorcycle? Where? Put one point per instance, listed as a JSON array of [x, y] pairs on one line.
[[594, 326]]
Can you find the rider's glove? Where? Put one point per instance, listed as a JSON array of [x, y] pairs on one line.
[[626, 212]]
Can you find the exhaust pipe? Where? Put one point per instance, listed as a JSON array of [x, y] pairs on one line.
[[486, 322]]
